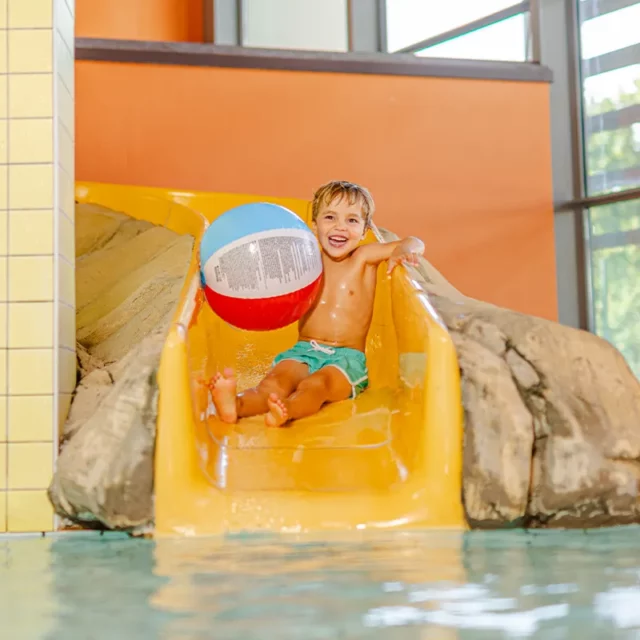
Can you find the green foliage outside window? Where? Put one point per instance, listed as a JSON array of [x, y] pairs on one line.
[[615, 270]]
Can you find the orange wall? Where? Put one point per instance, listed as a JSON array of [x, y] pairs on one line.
[[464, 164], [168, 20]]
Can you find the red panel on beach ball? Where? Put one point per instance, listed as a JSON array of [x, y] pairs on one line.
[[264, 314]]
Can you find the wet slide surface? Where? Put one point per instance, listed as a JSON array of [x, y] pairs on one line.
[[389, 459]]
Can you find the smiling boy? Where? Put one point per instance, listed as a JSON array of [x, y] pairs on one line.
[[328, 363]]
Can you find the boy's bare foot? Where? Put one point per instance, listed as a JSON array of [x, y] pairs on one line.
[[223, 391], [277, 415]]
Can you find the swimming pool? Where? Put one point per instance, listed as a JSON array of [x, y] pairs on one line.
[[409, 586]]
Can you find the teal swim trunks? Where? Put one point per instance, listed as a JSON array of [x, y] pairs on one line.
[[351, 362]]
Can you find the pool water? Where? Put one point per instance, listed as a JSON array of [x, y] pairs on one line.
[[417, 586]]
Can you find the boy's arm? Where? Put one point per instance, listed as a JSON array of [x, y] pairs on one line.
[[406, 250]]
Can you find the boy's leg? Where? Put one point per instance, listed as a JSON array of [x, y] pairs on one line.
[[327, 385], [281, 381]]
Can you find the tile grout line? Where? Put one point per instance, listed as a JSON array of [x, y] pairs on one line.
[[22, 490], [28, 73], [29, 442], [29, 255], [72, 55], [71, 221], [64, 126], [28, 209], [27, 164], [8, 28], [6, 364], [64, 84], [64, 41], [61, 167], [40, 395], [56, 248], [71, 11], [8, 304], [36, 348]]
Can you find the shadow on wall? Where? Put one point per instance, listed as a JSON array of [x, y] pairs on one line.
[[160, 20]]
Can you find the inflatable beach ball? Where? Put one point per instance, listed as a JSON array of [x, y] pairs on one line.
[[261, 267]]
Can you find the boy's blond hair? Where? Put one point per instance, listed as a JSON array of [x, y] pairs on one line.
[[343, 189]]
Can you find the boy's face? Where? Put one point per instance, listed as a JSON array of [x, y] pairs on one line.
[[340, 226]]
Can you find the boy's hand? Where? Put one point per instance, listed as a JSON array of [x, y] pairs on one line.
[[407, 252]]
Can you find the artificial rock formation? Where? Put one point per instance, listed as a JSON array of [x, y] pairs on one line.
[[129, 275], [552, 414], [552, 417]]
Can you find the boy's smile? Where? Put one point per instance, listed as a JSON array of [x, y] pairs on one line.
[[340, 226]]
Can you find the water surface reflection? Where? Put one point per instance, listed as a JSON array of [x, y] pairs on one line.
[[414, 586]]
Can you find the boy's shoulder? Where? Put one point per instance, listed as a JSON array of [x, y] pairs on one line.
[[364, 251], [359, 253]]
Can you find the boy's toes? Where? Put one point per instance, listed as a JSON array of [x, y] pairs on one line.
[[277, 415], [223, 392]]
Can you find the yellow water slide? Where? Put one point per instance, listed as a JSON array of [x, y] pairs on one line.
[[389, 459]]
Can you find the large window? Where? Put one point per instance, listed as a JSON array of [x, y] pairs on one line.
[[319, 25], [610, 50], [610, 37], [615, 275], [463, 29], [468, 29], [504, 40]]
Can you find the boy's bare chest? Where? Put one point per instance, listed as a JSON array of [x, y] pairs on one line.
[[347, 286]]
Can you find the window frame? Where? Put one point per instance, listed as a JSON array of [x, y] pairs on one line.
[[470, 27], [580, 204], [367, 26]]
